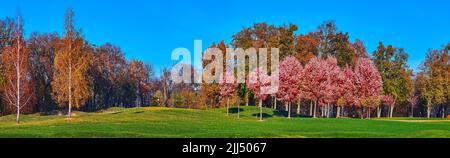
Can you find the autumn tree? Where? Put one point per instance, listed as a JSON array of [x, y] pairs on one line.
[[228, 86], [349, 93], [368, 83], [139, 75], [290, 88], [7, 32], [108, 68], [333, 83], [17, 89], [331, 42], [306, 47], [263, 35], [314, 76], [389, 101], [211, 91], [433, 80], [256, 82], [392, 65], [42, 49], [71, 83], [413, 102]]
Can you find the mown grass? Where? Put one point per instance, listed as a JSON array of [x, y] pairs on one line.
[[158, 122]]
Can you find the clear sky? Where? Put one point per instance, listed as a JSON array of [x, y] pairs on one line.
[[150, 29]]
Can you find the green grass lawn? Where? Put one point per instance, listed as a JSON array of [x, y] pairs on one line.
[[183, 123]]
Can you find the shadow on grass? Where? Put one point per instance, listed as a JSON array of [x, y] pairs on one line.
[[235, 110], [264, 115], [115, 113], [283, 113]]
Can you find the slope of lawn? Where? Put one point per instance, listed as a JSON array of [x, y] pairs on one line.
[[183, 123]]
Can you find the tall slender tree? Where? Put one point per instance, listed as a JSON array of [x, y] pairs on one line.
[[18, 89], [71, 83]]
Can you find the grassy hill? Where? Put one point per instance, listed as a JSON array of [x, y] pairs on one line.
[[184, 123]]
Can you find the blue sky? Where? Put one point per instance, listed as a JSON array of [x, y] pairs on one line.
[[150, 30]]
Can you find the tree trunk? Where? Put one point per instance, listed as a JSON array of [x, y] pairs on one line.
[[298, 107], [228, 105], [246, 99], [412, 111], [18, 115], [392, 112], [18, 84], [443, 112], [260, 109], [362, 113], [328, 110], [289, 110], [322, 111], [314, 111], [238, 110], [428, 111], [274, 103], [338, 113], [378, 112], [70, 93], [311, 108], [368, 113]]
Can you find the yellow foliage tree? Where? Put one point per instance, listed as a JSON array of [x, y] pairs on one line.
[[71, 83]]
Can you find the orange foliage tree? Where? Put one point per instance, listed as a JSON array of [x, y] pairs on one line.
[[17, 89], [71, 83]]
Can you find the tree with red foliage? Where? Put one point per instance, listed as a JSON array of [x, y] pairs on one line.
[[389, 100], [368, 82], [314, 76], [290, 88], [349, 90], [333, 84], [228, 86], [257, 81]]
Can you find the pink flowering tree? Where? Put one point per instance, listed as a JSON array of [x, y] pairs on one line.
[[349, 91], [333, 85], [313, 77], [257, 81], [368, 83], [389, 101], [290, 87], [228, 86]]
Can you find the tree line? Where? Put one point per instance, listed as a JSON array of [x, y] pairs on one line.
[[322, 74], [47, 72], [326, 74]]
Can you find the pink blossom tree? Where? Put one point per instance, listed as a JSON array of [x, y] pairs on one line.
[[368, 83], [349, 90], [333, 84], [256, 81], [313, 77], [389, 100], [290, 87], [228, 86]]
